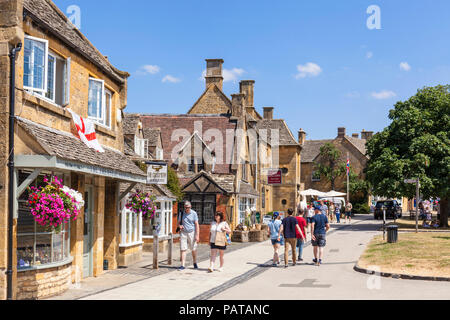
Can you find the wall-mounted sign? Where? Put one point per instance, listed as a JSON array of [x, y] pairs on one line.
[[274, 176], [156, 173]]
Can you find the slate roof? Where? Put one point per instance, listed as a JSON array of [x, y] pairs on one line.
[[246, 188], [130, 123], [225, 181], [360, 144], [48, 15], [311, 149], [152, 135], [285, 135], [66, 146]]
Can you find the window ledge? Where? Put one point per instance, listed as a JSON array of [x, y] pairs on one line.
[[104, 130], [44, 103], [127, 245], [47, 265]]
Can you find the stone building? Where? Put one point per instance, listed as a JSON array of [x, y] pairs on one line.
[[58, 68], [354, 146]]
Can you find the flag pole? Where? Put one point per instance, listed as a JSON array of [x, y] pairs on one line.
[[348, 178]]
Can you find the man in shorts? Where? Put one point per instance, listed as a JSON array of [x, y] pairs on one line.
[[348, 212], [320, 226], [189, 234]]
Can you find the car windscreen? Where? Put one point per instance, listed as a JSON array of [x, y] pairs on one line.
[[385, 203]]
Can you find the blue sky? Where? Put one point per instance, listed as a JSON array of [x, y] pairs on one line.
[[351, 76]]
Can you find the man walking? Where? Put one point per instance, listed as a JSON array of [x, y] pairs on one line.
[[324, 208], [320, 227], [189, 234], [348, 212], [288, 227]]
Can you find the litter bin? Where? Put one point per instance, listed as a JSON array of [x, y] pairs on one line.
[[392, 234]]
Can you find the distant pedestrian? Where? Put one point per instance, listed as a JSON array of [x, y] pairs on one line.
[[288, 227], [310, 215], [218, 240], [324, 208], [301, 236], [274, 231], [348, 212], [337, 213], [331, 209], [320, 227], [189, 234]]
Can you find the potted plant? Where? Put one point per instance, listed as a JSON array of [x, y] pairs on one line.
[[54, 204]]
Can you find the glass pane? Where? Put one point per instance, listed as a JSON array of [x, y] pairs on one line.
[[67, 242], [50, 78], [25, 249], [95, 99], [27, 80], [43, 248], [146, 227], [58, 249], [39, 64]]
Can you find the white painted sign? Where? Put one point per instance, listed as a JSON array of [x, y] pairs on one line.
[[156, 173], [410, 181]]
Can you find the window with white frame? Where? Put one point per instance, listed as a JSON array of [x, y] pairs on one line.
[[244, 204], [159, 154], [45, 73], [141, 147], [130, 227], [99, 102], [164, 213]]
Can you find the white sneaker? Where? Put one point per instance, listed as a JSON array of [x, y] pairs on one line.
[[220, 269]]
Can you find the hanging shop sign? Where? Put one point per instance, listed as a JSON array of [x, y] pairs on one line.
[[156, 173]]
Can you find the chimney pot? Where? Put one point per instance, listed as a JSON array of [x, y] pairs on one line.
[[268, 113], [341, 132], [301, 137], [366, 135], [355, 135], [214, 72]]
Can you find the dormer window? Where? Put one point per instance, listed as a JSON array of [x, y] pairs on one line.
[[141, 147], [99, 104]]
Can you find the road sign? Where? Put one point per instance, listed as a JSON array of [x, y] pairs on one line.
[[410, 181]]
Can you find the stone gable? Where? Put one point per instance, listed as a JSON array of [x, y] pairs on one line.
[[212, 101]]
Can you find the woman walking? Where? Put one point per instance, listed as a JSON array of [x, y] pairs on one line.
[[219, 230], [274, 228]]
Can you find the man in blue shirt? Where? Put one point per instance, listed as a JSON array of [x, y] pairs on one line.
[[319, 226], [189, 234]]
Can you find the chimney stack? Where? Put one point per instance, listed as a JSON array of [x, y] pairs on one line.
[[366, 135], [247, 87], [355, 135], [214, 72], [341, 132], [268, 113], [237, 105], [301, 137]]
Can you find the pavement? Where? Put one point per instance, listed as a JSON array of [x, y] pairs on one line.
[[248, 274]]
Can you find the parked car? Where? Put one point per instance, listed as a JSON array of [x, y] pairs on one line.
[[393, 209]]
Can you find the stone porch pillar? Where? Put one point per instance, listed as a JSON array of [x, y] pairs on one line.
[[76, 232], [111, 234], [99, 219]]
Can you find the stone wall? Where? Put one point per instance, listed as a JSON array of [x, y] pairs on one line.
[[129, 255], [40, 284]]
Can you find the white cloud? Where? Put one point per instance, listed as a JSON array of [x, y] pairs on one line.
[[405, 66], [385, 94], [369, 55], [308, 70], [227, 74], [170, 79], [148, 69]]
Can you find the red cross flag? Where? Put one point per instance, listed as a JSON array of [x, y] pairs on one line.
[[86, 131]]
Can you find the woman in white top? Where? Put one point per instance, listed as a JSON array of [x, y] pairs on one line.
[[218, 225]]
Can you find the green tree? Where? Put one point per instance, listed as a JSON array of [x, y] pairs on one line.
[[415, 144], [330, 164], [174, 184]]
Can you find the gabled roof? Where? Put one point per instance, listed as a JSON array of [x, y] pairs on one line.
[[359, 144], [212, 87], [48, 15], [130, 123], [158, 190], [285, 135], [311, 149], [152, 135], [205, 183], [66, 146]]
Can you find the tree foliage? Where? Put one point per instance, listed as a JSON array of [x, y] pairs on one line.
[[415, 144], [174, 184], [330, 166]]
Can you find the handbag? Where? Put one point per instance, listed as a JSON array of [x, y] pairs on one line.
[[221, 238], [181, 222]]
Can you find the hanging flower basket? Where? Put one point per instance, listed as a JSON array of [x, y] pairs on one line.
[[142, 203], [54, 204]]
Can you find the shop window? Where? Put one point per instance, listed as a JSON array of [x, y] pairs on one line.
[[164, 211], [204, 205], [130, 227], [35, 245], [244, 205]]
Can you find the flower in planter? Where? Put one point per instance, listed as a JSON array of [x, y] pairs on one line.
[[53, 205], [142, 203]]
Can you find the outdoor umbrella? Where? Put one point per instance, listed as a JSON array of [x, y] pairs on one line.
[[333, 193], [312, 192]]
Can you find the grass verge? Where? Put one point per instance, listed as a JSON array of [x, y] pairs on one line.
[[421, 254]]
